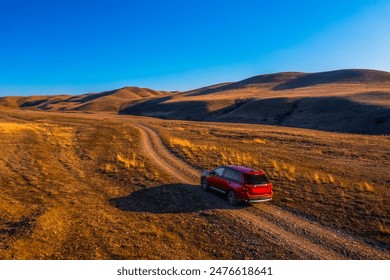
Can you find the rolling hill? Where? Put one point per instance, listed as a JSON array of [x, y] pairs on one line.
[[354, 101], [351, 100], [107, 101]]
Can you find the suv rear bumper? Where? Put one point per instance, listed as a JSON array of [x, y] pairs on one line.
[[244, 196], [260, 200]]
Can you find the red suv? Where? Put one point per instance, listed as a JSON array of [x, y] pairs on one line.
[[239, 183]]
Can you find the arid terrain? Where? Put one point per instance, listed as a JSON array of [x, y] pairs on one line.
[[95, 184], [351, 100]]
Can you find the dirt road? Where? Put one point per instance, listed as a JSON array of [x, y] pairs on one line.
[[309, 239]]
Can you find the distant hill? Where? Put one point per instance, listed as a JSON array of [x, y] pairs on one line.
[[350, 100], [294, 80], [107, 101], [267, 80], [10, 102], [349, 76]]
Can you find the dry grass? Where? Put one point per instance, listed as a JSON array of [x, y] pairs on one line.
[[259, 141], [275, 165], [56, 180], [58, 135], [342, 175], [110, 168], [222, 155], [131, 162], [256, 140], [60, 173], [76, 187], [12, 127], [235, 157], [365, 186], [324, 178], [384, 229], [183, 143]]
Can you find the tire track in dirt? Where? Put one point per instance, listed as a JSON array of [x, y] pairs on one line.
[[349, 246], [310, 239], [154, 148]]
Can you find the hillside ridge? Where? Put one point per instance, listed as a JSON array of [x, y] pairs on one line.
[[347, 100]]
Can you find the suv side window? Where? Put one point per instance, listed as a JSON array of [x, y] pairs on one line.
[[219, 171], [237, 176], [233, 175]]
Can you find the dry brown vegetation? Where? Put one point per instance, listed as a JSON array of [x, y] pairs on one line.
[[76, 187], [340, 180], [56, 184]]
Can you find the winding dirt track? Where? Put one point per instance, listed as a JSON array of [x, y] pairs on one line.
[[309, 239]]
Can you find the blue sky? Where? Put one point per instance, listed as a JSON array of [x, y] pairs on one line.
[[52, 47]]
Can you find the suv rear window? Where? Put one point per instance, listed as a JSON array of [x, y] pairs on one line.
[[256, 179]]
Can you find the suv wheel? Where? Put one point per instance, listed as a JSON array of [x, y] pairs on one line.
[[232, 198], [205, 184]]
